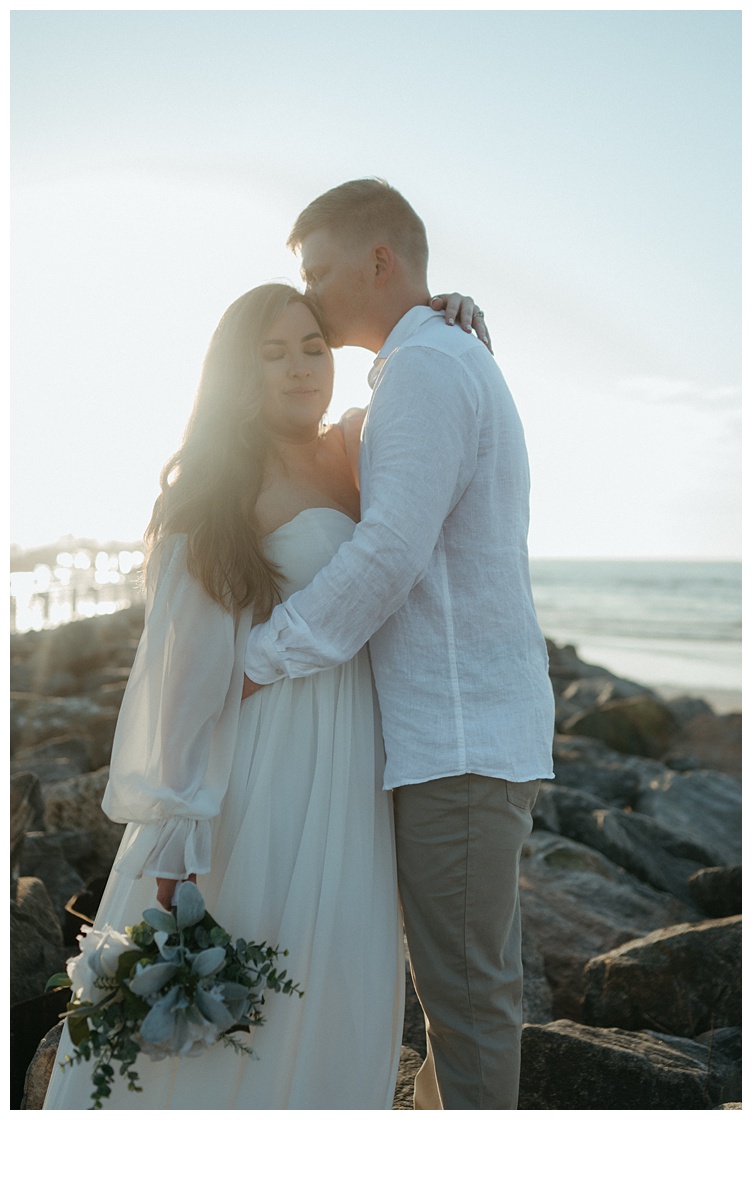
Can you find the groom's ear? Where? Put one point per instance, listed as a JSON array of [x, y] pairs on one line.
[[382, 258]]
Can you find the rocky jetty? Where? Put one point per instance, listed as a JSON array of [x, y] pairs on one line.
[[630, 881]]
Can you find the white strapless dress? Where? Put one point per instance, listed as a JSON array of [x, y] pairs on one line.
[[302, 857]]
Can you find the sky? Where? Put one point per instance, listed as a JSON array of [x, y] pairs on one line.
[[579, 174]]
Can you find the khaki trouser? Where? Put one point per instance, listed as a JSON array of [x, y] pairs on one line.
[[458, 852]]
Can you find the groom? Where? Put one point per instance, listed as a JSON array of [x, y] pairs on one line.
[[436, 579]]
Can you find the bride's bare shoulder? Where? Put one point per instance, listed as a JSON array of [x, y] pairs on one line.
[[353, 416]]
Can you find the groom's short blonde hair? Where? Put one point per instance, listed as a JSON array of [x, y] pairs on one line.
[[366, 210]]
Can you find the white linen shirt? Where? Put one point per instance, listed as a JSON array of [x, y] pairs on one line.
[[436, 574]]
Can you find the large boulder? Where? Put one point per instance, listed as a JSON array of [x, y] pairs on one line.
[[76, 804], [57, 758], [585, 752], [36, 940], [647, 849], [682, 980], [70, 652], [594, 691], [26, 808], [40, 1068], [612, 782], [713, 741], [537, 996], [51, 858], [703, 805], [570, 1066], [37, 719], [576, 904], [717, 891], [641, 725]]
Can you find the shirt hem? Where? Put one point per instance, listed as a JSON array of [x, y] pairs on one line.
[[512, 778]]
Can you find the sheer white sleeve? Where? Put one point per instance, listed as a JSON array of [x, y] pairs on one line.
[[175, 738]]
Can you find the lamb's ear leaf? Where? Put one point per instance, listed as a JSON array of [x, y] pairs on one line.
[[190, 907], [161, 919]]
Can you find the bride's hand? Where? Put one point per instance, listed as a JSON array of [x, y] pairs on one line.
[[470, 316], [250, 688], [166, 890]]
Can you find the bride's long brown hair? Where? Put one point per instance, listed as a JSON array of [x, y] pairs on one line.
[[210, 486]]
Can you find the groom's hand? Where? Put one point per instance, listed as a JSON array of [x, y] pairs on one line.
[[249, 687]]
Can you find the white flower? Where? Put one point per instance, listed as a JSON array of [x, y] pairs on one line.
[[99, 957]]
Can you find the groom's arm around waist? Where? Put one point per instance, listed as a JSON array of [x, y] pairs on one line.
[[420, 454]]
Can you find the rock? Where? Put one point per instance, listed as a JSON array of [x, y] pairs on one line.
[[682, 762], [409, 1065], [76, 804], [586, 751], [717, 891], [36, 941], [713, 741], [78, 648], [702, 805], [105, 677], [25, 799], [682, 980], [576, 904], [570, 1066], [717, 1051], [642, 845], [26, 785], [414, 1026], [537, 997], [49, 857], [57, 758], [592, 692], [36, 719], [40, 1069], [565, 665], [686, 708], [611, 782], [640, 724]]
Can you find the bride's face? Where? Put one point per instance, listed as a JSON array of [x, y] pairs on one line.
[[298, 374]]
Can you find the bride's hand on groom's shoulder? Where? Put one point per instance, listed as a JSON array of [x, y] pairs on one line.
[[465, 312]]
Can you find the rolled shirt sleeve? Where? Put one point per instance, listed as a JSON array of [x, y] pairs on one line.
[[421, 442]]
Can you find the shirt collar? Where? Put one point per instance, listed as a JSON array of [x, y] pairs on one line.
[[404, 329]]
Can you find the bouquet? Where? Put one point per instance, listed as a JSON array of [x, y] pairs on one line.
[[172, 985]]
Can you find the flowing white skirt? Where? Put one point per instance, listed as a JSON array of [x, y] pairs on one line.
[[303, 858]]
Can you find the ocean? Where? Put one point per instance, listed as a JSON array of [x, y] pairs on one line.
[[673, 626]]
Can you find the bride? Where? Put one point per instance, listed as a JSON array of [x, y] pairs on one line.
[[276, 805]]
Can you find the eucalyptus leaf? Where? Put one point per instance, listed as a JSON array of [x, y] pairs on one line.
[[126, 963], [56, 981], [78, 1029]]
